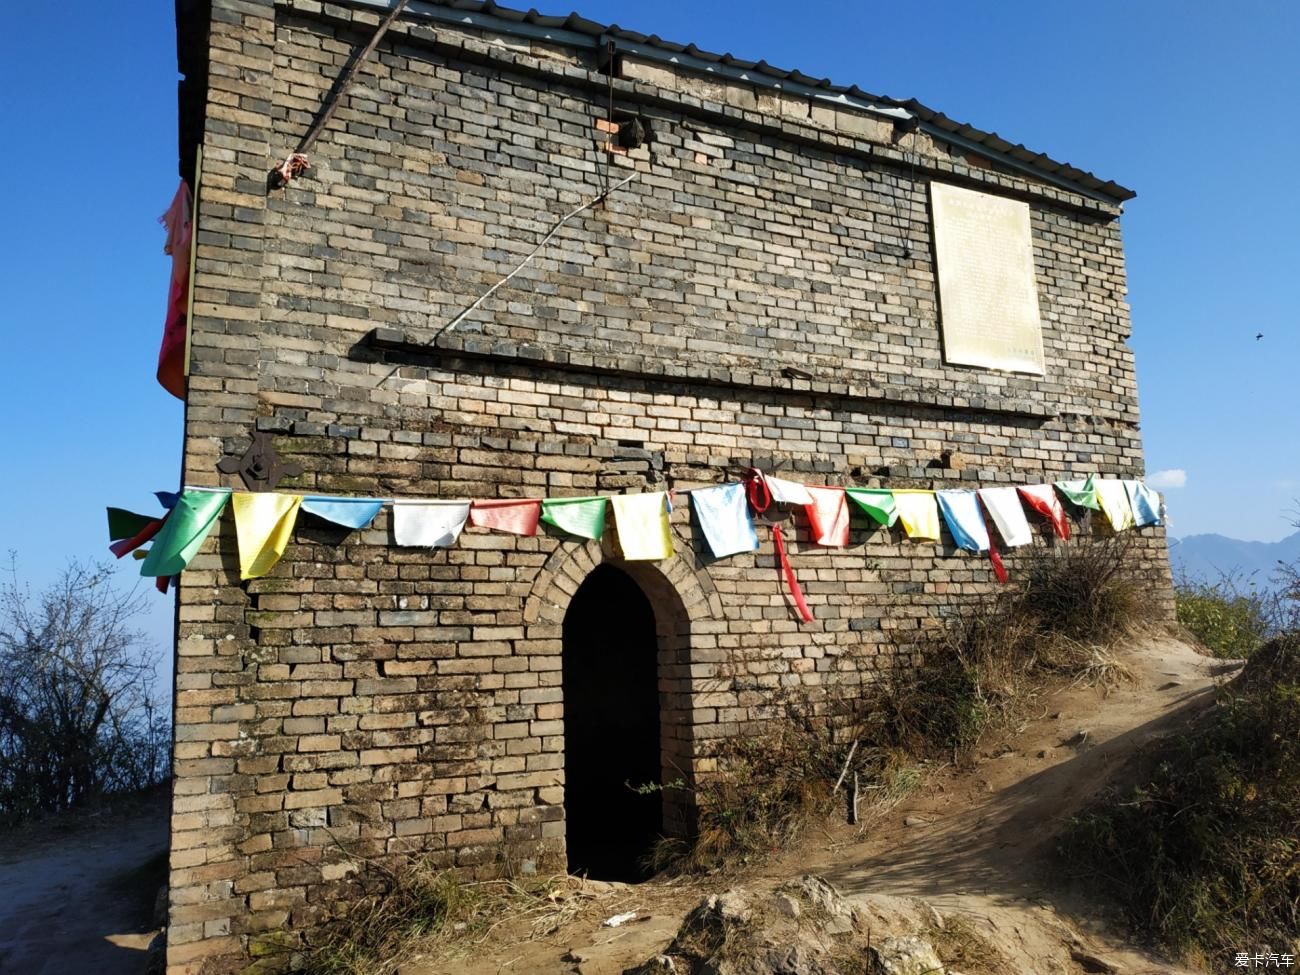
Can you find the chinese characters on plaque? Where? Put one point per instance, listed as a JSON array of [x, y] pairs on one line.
[[988, 299]]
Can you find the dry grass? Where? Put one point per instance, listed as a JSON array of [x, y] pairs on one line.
[[961, 948], [1203, 853], [980, 673], [399, 911], [983, 669]]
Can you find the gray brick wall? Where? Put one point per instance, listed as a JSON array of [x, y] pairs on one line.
[[396, 700]]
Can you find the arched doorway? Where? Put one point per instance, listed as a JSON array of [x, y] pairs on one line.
[[611, 727]]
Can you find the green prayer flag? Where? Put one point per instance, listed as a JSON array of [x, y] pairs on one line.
[[577, 516], [876, 502], [126, 524], [184, 531], [1082, 494]]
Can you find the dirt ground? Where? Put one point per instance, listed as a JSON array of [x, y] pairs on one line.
[[974, 843], [77, 893]]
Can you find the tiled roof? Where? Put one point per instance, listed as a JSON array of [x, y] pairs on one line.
[[481, 12]]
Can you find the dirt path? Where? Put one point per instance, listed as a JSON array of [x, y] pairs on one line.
[[974, 843], [980, 844], [77, 898]]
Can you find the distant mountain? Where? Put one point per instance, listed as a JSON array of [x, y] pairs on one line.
[[1207, 557]]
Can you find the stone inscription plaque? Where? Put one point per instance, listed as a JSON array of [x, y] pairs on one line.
[[988, 299]]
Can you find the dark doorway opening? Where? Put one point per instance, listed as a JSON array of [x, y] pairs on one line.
[[611, 728]]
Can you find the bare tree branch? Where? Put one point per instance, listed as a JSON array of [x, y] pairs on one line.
[[78, 717]]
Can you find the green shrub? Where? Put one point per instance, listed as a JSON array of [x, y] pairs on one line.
[[1228, 619], [1204, 854]]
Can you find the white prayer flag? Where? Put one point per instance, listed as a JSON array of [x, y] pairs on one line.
[[1007, 512], [723, 514], [428, 523], [788, 492]]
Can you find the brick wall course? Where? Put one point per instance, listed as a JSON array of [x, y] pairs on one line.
[[374, 700]]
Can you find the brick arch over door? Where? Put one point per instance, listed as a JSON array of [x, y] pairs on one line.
[[687, 610]]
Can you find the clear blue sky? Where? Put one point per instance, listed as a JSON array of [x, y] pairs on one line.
[[1192, 104]]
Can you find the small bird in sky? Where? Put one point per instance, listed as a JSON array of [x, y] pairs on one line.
[[1258, 336]]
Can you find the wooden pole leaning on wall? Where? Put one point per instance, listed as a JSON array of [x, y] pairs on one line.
[[296, 162]]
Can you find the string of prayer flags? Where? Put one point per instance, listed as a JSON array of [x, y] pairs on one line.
[[919, 513], [788, 492], [518, 516], [263, 527], [1081, 494], [351, 513], [723, 515], [829, 515], [878, 503], [1145, 503], [1113, 498], [182, 534], [264, 522], [642, 523], [1008, 515], [758, 490], [961, 511], [428, 523], [1042, 498], [584, 517]]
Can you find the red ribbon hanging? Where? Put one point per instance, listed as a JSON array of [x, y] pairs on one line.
[[995, 557], [760, 499], [1046, 503]]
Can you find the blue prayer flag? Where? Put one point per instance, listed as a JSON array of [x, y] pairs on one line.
[[723, 514], [348, 512], [961, 511], [1145, 503]]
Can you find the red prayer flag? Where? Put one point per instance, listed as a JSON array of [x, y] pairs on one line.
[[180, 228], [1042, 498], [126, 545], [519, 516], [829, 514]]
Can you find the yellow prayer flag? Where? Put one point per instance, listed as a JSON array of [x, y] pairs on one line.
[[919, 513], [263, 527], [1113, 496], [642, 523]]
